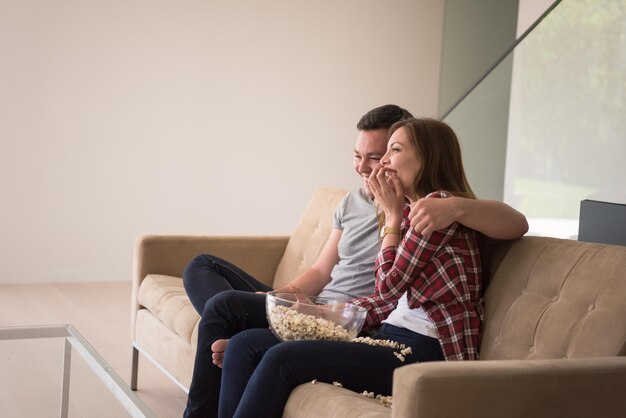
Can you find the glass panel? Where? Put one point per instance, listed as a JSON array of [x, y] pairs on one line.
[[566, 134], [52, 371], [31, 382], [475, 34], [30, 378]]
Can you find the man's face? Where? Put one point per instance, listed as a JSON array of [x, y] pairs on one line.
[[370, 147]]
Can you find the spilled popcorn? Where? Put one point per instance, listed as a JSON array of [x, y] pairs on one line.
[[387, 401], [401, 355]]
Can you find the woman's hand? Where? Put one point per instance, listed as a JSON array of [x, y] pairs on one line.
[[387, 191]]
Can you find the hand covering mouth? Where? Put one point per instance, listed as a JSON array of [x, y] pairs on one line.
[[389, 172]]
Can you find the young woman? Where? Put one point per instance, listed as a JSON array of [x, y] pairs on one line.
[[427, 293]]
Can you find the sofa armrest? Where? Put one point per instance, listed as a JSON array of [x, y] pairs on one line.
[[589, 387], [170, 254]]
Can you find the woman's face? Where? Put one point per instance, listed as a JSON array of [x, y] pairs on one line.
[[402, 160]]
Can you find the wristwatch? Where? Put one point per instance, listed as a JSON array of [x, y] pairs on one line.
[[388, 230]]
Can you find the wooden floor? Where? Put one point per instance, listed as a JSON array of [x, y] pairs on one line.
[[101, 313]]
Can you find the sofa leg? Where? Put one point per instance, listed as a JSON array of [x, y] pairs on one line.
[[134, 369]]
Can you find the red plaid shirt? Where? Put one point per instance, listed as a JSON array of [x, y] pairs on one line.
[[442, 274]]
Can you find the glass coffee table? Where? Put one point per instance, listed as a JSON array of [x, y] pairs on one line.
[[52, 371]]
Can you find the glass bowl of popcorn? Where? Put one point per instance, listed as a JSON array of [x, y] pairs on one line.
[[297, 317]]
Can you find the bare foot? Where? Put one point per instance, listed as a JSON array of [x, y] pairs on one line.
[[218, 348]]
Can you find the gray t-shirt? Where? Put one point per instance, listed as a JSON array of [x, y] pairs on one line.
[[353, 275]]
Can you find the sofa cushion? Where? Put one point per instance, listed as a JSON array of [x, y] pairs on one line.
[[176, 356], [166, 298], [310, 235], [552, 298], [328, 401]]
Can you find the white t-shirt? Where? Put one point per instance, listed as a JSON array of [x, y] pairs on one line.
[[416, 320]]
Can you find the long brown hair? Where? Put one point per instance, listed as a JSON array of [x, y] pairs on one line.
[[440, 152]]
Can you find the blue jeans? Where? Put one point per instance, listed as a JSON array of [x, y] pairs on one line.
[[206, 276], [224, 296], [259, 372]]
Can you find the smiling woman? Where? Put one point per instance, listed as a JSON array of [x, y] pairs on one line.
[[402, 163], [439, 161], [423, 156], [427, 292]]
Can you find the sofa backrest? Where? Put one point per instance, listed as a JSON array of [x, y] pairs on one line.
[[309, 236], [550, 298]]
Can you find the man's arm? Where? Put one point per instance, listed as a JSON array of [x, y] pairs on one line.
[[493, 218], [312, 280]]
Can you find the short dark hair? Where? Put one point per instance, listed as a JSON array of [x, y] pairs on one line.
[[382, 117]]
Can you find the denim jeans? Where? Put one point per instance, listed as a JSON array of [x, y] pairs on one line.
[[207, 275], [260, 372], [224, 296]]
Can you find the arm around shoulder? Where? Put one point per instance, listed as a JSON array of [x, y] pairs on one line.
[[493, 218]]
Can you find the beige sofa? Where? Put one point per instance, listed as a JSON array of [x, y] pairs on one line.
[[554, 331]]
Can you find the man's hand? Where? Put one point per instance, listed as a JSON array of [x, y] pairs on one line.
[[336, 313], [305, 305], [430, 214]]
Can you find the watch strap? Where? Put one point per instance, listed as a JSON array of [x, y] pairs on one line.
[[388, 230]]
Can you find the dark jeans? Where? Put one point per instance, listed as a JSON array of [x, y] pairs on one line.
[[209, 282], [260, 372], [207, 275]]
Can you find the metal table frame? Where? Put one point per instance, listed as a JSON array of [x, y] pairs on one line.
[[129, 400]]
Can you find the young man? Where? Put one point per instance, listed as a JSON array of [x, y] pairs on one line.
[[226, 297]]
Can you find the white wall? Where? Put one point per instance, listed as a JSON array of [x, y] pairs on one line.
[[119, 118]]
